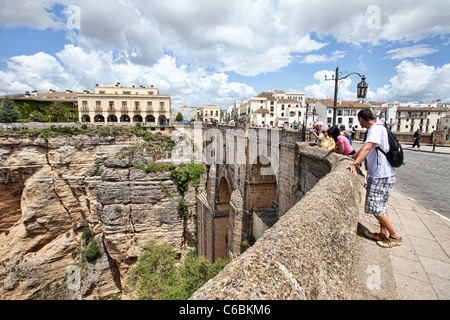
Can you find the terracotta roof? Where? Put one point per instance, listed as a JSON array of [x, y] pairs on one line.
[[344, 104], [421, 109], [289, 101], [49, 96], [267, 95], [261, 110]]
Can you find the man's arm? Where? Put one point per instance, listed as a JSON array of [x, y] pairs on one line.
[[359, 157]]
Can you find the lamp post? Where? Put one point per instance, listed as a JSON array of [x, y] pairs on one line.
[[362, 88]]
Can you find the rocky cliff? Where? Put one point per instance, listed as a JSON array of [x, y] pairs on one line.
[[53, 190]]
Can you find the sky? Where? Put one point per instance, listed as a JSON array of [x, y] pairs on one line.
[[217, 52]]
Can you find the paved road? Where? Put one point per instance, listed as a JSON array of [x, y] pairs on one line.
[[425, 178]]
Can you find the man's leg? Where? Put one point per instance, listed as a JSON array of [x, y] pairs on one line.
[[386, 227]]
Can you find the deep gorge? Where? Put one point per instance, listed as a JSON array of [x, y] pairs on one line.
[[52, 188]]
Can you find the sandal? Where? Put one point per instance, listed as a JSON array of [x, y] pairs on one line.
[[390, 242], [373, 236]]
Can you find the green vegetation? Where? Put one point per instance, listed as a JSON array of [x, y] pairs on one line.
[[182, 208], [8, 111], [188, 173], [30, 110], [93, 252], [179, 117], [158, 275]]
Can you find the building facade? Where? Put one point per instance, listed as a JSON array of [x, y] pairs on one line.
[[346, 112], [426, 119], [274, 108], [113, 104], [209, 113]]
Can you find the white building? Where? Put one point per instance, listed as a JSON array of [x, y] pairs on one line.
[[346, 112], [274, 108]]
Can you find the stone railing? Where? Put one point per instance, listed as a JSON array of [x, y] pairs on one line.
[[307, 254]]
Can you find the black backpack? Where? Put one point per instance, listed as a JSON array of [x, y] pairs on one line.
[[395, 154]]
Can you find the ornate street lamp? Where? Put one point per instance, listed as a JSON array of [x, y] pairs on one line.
[[362, 88]]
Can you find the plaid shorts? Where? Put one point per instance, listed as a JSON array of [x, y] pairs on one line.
[[377, 195]]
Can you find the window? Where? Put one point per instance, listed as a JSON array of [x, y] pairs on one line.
[[329, 120], [124, 105], [98, 105], [339, 120], [161, 106], [84, 105], [136, 106], [350, 121], [149, 105], [330, 111], [291, 114], [111, 106]]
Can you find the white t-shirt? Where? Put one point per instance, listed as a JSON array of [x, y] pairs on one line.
[[378, 165]]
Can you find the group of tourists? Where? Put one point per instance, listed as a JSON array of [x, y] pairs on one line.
[[335, 138]]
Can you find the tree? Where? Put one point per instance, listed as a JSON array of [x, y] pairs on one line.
[[179, 117], [58, 111], [8, 110]]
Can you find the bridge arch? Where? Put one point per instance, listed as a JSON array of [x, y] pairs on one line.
[[221, 220]]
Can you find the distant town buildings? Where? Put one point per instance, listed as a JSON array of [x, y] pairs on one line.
[[209, 113], [188, 113], [113, 104], [274, 108], [116, 105]]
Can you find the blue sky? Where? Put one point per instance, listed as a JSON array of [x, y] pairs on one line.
[[216, 52]]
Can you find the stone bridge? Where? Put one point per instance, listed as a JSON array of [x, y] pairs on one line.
[[300, 203]]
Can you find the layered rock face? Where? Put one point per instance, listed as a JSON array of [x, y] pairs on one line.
[[51, 190]]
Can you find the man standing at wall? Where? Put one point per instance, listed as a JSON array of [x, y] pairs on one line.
[[381, 179]]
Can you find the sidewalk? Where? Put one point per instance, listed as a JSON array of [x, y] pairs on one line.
[[437, 149], [421, 266], [417, 270]]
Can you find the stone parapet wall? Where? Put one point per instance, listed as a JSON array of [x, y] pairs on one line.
[[307, 254]]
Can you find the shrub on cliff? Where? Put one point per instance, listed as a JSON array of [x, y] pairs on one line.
[[93, 252], [157, 275]]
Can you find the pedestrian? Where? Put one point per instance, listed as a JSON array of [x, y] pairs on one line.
[[343, 145], [381, 179], [416, 139], [353, 133], [317, 132], [345, 133], [327, 142]]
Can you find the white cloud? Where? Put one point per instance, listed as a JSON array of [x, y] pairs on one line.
[[415, 81], [32, 13], [315, 58], [36, 72], [411, 52], [78, 69], [186, 46], [325, 88]]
